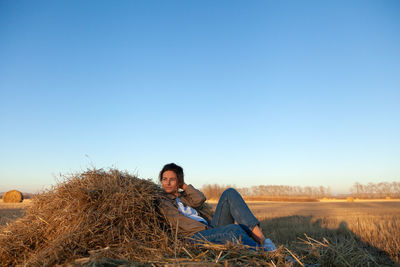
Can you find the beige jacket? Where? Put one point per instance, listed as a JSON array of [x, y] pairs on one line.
[[190, 197]]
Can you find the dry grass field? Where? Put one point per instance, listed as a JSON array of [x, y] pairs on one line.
[[331, 233], [367, 229], [12, 211]]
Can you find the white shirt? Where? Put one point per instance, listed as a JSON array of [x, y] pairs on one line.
[[189, 212]]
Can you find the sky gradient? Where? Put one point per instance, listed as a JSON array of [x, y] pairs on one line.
[[236, 92]]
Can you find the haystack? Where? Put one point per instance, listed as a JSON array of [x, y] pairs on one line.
[[13, 196], [89, 211]]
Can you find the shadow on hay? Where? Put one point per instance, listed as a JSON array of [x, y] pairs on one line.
[[330, 247]]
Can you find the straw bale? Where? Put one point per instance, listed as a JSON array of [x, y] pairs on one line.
[[87, 212], [13, 196]]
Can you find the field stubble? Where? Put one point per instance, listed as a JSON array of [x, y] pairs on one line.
[[370, 229]]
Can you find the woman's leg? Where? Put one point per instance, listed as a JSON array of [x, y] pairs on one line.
[[233, 233], [231, 208]]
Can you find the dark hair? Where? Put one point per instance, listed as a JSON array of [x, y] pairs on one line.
[[176, 169]]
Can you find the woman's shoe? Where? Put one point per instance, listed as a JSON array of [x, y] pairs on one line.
[[268, 245]]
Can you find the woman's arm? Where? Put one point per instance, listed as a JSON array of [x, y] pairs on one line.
[[194, 197]]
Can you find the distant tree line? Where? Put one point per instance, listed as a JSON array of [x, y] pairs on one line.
[[376, 190], [214, 191]]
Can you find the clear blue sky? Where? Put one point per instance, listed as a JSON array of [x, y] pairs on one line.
[[237, 92]]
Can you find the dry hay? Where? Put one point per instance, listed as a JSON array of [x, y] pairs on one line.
[[13, 196], [89, 211]]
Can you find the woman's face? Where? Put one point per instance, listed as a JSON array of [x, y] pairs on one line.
[[169, 182]]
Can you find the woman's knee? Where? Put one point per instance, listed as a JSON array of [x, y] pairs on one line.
[[230, 192]]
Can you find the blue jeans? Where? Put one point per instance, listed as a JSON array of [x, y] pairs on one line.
[[231, 208]]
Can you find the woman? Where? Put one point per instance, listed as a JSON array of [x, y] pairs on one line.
[[185, 209]]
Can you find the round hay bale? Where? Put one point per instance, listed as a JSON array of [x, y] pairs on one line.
[[13, 196]]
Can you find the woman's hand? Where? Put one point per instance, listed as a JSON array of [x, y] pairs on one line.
[[183, 186]]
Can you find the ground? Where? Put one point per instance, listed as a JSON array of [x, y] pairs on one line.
[[361, 226]]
